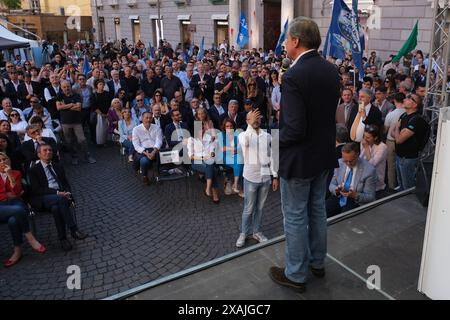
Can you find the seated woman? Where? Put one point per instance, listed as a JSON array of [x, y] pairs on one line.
[[202, 152], [203, 116], [5, 128], [45, 132], [14, 156], [114, 116], [122, 96], [161, 101], [202, 101], [374, 151], [14, 211], [125, 128], [231, 158], [17, 124]]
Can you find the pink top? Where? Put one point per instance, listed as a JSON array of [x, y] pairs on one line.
[[378, 157]]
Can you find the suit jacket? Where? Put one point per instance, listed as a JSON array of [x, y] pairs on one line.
[[374, 117], [164, 120], [208, 89], [215, 117], [365, 180], [13, 94], [23, 92], [170, 128], [340, 115], [110, 85], [29, 154], [307, 118], [39, 183]]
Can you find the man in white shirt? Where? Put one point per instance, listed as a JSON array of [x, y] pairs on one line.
[[7, 108], [147, 140], [258, 169], [389, 124]]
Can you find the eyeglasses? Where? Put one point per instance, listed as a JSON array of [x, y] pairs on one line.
[[14, 115]]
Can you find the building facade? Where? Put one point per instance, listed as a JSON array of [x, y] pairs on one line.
[[387, 23]]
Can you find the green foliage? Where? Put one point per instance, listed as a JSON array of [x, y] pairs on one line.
[[11, 4]]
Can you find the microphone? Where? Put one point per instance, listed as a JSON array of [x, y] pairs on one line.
[[285, 64]]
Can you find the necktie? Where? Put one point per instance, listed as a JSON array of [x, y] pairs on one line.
[[36, 145], [180, 135], [53, 174], [348, 182]]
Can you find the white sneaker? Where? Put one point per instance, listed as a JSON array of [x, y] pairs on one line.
[[240, 241], [259, 237], [130, 158], [228, 190], [235, 190]]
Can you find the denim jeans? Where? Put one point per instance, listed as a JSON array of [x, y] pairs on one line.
[[305, 224], [406, 172], [255, 195], [15, 213], [129, 148], [59, 206], [209, 170], [143, 162]]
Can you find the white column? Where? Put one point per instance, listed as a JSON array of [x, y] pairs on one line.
[[254, 15], [287, 11], [233, 21]]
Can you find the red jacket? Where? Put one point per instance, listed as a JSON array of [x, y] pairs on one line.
[[6, 186]]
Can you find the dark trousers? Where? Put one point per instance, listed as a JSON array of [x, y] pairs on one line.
[[334, 208], [86, 120], [15, 213], [59, 206], [141, 161]]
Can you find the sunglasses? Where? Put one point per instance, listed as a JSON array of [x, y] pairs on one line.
[[14, 115], [140, 100]]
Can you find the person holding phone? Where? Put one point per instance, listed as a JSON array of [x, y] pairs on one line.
[[368, 114]]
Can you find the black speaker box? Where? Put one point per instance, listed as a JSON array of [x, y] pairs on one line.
[[423, 180]]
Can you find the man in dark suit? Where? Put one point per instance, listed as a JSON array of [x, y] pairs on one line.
[[116, 83], [29, 148], [367, 114], [161, 120], [175, 125], [347, 110], [50, 190], [217, 112], [12, 90], [203, 82], [307, 138], [28, 89]]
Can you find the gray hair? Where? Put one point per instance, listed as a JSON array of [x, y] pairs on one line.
[[405, 85], [307, 31], [367, 92], [32, 126], [342, 135], [231, 102], [114, 72]]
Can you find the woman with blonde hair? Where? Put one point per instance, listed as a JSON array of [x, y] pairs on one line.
[[114, 116], [257, 98]]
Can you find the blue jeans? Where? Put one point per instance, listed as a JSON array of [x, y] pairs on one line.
[[305, 224], [128, 146], [406, 172], [255, 195], [143, 162], [209, 170], [15, 213]]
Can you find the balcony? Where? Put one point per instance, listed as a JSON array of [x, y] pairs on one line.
[[131, 3], [153, 3], [113, 3], [182, 3]]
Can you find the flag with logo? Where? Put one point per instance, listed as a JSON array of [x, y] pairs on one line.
[[344, 35], [282, 38], [242, 38]]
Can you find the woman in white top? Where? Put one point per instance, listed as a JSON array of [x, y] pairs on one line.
[[276, 93], [375, 152], [202, 151], [17, 124]]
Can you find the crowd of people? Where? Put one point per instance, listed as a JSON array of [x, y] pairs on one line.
[[213, 103]]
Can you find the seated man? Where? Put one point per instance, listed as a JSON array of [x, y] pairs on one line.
[[147, 140], [353, 183], [50, 191], [178, 126], [29, 147]]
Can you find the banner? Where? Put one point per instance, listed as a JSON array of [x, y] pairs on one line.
[[242, 38], [282, 38]]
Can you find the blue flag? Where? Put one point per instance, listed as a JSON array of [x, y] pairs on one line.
[[152, 52], [201, 53], [282, 38], [86, 66], [242, 38], [343, 35]]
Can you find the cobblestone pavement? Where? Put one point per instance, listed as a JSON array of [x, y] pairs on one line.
[[137, 233]]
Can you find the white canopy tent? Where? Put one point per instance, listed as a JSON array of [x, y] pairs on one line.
[[9, 40]]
